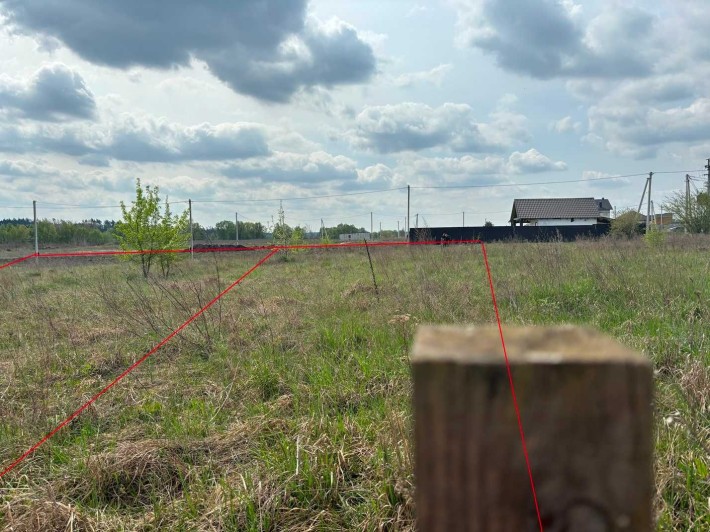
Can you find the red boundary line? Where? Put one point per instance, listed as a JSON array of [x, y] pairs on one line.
[[512, 387], [16, 261], [273, 250], [230, 249], [133, 366]]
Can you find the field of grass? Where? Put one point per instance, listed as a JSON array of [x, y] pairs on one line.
[[286, 406]]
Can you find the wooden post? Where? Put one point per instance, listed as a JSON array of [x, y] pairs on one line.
[[585, 405]]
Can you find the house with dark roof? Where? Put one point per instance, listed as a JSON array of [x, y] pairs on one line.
[[605, 208], [560, 211]]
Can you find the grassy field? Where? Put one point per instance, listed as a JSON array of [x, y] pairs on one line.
[[286, 406]]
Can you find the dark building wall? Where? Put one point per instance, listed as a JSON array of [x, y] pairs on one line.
[[527, 233]]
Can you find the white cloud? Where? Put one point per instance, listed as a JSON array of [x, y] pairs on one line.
[[376, 174], [435, 76], [416, 9], [412, 126], [599, 180], [305, 169], [23, 168], [532, 161], [566, 125], [639, 132]]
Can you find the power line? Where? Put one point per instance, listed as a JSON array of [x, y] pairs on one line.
[[74, 205], [303, 197], [676, 172], [497, 185]]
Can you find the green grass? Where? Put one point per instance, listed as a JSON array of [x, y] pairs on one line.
[[287, 406]]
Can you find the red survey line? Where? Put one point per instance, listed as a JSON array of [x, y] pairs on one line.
[[134, 366], [273, 251], [8, 264], [232, 249], [512, 387]]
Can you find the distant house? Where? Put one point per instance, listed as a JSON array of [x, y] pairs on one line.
[[354, 237], [560, 211], [664, 220]]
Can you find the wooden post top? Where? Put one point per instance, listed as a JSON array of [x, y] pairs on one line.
[[476, 345]]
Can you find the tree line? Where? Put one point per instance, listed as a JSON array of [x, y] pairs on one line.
[[18, 231], [93, 232]]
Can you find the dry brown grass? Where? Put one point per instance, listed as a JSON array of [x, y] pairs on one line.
[[45, 516]]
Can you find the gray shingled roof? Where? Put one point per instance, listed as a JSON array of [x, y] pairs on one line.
[[535, 209], [604, 204]]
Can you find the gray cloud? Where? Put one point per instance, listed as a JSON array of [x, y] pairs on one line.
[[547, 38], [415, 127], [54, 93], [139, 140], [268, 49]]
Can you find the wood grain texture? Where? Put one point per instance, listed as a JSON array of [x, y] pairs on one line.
[[586, 407]]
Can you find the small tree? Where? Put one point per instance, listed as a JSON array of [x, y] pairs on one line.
[[144, 228], [174, 234], [283, 235], [626, 224]]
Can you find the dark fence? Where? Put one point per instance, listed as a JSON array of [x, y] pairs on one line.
[[525, 233]]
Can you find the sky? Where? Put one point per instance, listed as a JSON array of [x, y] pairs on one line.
[[334, 107]]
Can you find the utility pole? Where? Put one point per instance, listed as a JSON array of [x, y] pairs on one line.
[[648, 205], [416, 220], [34, 210], [643, 195], [380, 235], [463, 219], [370, 224], [397, 228], [192, 231], [687, 200], [408, 218], [707, 167], [236, 225]]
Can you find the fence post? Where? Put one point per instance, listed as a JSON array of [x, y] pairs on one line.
[[586, 407], [192, 231], [34, 212]]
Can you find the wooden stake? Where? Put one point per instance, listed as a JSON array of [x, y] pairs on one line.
[[585, 404]]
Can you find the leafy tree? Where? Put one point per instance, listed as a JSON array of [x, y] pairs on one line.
[[173, 234], [693, 215], [15, 234], [145, 228], [198, 232], [226, 230], [46, 231], [251, 230], [626, 224], [488, 224]]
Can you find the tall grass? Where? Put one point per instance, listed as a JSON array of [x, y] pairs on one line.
[[287, 406]]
